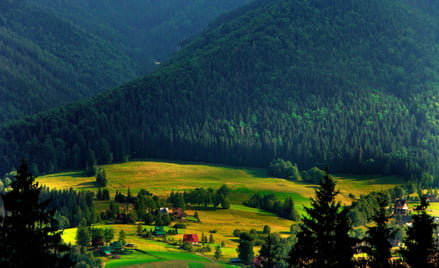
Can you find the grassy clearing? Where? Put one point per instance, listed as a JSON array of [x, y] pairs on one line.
[[161, 178]]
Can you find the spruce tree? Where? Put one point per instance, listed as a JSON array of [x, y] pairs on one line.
[[378, 236], [28, 235], [323, 239], [218, 253], [420, 250]]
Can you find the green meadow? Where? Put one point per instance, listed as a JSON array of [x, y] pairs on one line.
[[161, 178]]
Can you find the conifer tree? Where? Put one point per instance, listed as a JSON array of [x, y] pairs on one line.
[[218, 253], [122, 237], [27, 232], [420, 250], [323, 240], [378, 236]]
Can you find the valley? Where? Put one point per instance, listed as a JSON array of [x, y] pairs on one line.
[[162, 177]]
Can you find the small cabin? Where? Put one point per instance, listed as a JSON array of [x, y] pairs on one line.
[[191, 238], [178, 213], [401, 207], [159, 231], [164, 210]]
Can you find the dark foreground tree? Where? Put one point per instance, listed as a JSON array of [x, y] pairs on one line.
[[323, 239], [378, 236], [420, 250], [27, 233]]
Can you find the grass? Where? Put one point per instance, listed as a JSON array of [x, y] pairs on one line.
[[161, 178]]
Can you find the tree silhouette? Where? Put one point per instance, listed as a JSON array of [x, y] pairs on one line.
[[420, 250], [379, 235], [323, 239], [27, 233]]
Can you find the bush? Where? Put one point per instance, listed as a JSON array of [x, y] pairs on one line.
[[179, 226], [236, 233]]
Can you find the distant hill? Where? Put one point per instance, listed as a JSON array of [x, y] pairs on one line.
[[54, 52], [340, 83], [47, 61], [149, 31]]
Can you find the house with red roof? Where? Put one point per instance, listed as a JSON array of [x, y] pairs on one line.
[[191, 238]]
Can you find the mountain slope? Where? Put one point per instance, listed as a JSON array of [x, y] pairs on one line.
[[53, 52], [46, 61], [316, 82], [148, 31]]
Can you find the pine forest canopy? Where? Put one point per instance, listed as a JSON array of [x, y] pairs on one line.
[[352, 85], [147, 30], [54, 52]]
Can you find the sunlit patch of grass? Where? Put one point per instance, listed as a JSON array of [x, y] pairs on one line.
[[161, 178]]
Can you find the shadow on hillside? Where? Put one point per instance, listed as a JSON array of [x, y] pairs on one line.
[[90, 184]]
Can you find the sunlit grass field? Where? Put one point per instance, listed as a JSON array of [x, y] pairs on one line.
[[161, 178]]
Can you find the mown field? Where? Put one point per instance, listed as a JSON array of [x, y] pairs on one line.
[[161, 178]]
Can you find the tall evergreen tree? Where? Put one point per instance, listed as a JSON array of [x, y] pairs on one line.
[[323, 240], [420, 250], [378, 236], [245, 251], [27, 232]]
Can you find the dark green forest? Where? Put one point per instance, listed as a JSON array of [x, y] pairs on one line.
[[54, 52], [348, 85], [148, 31], [46, 61]]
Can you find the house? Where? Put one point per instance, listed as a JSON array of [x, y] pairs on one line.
[[191, 238], [159, 231], [178, 213], [106, 251], [401, 207]]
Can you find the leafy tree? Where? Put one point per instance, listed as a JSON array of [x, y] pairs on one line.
[[27, 232], [323, 240], [266, 229], [284, 169], [236, 233], [378, 236], [166, 219], [420, 249], [149, 219]]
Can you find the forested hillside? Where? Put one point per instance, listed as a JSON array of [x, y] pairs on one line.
[[147, 30], [53, 52], [47, 61], [351, 85]]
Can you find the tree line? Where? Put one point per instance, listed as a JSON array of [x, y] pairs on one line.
[[323, 237], [364, 105], [202, 197], [270, 203], [30, 231]]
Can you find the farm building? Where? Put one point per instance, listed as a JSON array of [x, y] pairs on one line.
[[191, 238], [178, 213], [401, 207], [159, 231]]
